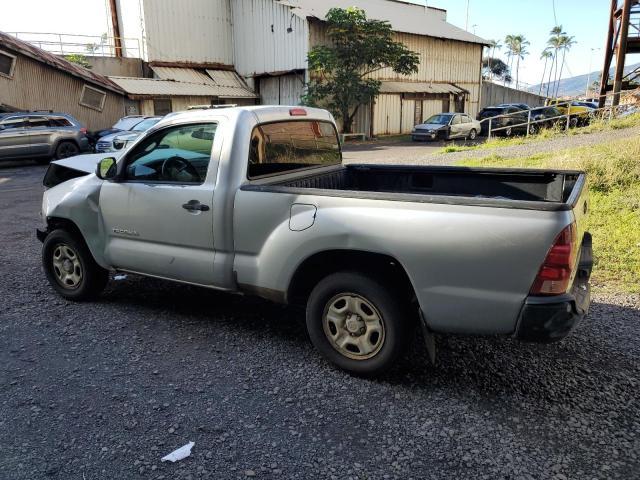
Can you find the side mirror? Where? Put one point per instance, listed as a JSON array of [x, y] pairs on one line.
[[106, 169]]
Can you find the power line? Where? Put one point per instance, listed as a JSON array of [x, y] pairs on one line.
[[555, 17]]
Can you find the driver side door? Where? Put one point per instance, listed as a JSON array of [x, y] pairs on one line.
[[158, 215]]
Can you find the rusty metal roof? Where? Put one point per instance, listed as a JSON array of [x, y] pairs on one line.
[[7, 42], [419, 87], [186, 82]]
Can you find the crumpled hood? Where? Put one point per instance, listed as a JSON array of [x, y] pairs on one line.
[[85, 163]]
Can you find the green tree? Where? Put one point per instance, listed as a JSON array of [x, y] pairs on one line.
[[78, 59], [555, 43], [565, 45], [494, 68], [546, 55], [519, 48], [341, 71]]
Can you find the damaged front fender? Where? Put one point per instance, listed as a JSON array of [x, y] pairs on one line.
[[77, 201]]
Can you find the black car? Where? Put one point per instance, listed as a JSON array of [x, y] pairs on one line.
[[509, 120], [521, 106], [546, 117]]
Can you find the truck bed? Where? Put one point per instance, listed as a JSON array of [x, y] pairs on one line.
[[506, 188]]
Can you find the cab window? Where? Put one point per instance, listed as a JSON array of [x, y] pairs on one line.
[[173, 155], [283, 147]]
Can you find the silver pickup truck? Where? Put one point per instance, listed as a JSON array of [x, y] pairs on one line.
[[256, 200]]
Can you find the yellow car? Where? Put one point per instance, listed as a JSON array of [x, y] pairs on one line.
[[579, 112]]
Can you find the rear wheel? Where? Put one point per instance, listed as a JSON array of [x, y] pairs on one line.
[[66, 149], [508, 132], [357, 323], [70, 267], [473, 134]]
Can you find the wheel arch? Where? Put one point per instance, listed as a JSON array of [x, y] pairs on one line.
[[317, 266], [55, 223]]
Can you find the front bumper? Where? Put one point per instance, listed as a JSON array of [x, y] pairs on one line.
[[423, 136], [550, 319]]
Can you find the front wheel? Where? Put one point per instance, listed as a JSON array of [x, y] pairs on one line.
[[66, 150], [508, 132], [70, 267], [357, 323], [473, 134]]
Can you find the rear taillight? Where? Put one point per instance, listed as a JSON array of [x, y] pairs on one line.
[[555, 273], [83, 130]]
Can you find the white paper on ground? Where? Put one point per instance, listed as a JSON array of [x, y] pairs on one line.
[[179, 454]]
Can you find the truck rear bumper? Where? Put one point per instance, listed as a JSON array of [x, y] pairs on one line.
[[550, 319]]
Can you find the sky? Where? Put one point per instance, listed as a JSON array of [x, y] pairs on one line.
[[586, 20]]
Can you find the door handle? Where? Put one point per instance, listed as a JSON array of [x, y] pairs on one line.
[[195, 206]]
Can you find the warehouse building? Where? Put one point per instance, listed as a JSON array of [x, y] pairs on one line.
[[34, 79]]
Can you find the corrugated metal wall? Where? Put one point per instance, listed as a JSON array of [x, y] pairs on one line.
[[262, 42], [180, 103], [196, 31], [281, 90], [494, 94], [441, 61], [36, 86]]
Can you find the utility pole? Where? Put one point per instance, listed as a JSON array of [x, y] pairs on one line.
[[115, 25], [586, 93], [466, 25]]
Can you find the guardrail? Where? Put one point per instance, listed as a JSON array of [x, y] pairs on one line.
[[572, 119], [74, 44]]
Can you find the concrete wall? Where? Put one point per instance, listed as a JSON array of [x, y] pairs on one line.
[[494, 94], [117, 67]]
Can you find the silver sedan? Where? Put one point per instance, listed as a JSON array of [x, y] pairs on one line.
[[446, 126]]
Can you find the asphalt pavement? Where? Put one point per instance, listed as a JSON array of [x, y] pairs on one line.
[[103, 390]]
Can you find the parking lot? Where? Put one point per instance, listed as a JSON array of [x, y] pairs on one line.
[[105, 389]]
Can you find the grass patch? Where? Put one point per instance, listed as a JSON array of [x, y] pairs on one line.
[[614, 221], [596, 125]]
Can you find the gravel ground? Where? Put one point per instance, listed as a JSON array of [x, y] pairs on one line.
[[427, 154], [104, 390]]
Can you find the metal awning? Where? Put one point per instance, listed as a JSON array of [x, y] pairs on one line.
[[186, 82], [419, 87]]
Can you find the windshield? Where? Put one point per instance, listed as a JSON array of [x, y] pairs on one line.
[[438, 120], [127, 123], [145, 125]]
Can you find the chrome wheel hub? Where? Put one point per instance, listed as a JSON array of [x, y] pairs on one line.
[[67, 267], [353, 326]]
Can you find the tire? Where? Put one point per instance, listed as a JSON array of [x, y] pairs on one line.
[[508, 132], [70, 267], [473, 134], [533, 129], [369, 347], [573, 123], [66, 149]]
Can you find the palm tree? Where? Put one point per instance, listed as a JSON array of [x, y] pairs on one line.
[[493, 46], [555, 43], [520, 44], [546, 55], [509, 42], [566, 43]]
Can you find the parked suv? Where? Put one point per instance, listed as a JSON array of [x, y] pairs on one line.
[[41, 136], [509, 119], [119, 140]]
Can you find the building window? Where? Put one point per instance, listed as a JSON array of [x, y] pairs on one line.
[[7, 64], [92, 98], [161, 106]]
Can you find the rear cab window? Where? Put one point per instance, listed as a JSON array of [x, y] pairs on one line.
[[284, 147]]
